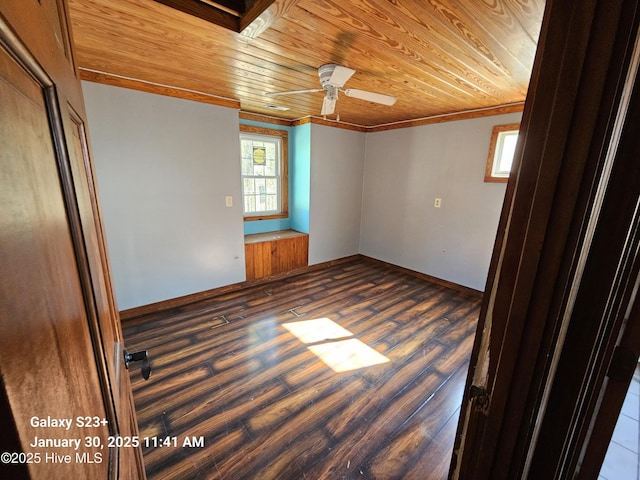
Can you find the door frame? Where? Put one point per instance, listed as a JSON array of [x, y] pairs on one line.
[[538, 375]]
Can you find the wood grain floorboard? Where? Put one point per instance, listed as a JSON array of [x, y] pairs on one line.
[[230, 371]]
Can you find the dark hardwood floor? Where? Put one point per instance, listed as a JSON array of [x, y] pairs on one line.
[[231, 371]]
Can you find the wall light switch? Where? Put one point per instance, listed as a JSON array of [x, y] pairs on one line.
[[228, 200], [437, 202]]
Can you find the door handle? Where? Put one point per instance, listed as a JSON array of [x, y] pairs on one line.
[[141, 356]]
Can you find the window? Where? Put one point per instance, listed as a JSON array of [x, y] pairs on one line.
[[501, 151], [263, 155]]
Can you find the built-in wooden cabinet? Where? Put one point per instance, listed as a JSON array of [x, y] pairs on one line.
[[272, 253]]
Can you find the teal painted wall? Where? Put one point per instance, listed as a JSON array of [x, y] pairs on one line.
[[300, 178]]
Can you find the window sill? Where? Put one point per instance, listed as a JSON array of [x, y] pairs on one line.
[[496, 179]]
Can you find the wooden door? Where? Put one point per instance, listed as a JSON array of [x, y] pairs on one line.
[[64, 388]]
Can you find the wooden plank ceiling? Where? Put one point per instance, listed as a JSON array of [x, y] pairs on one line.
[[436, 56]]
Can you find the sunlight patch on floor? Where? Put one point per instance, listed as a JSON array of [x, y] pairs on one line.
[[346, 355], [317, 330], [330, 345]]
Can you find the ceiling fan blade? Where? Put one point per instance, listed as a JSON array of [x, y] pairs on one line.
[[328, 106], [370, 96], [292, 92], [340, 75]]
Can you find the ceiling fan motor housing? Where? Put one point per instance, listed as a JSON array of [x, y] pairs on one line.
[[325, 72]]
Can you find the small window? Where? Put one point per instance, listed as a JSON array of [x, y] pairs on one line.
[[501, 152], [263, 155]]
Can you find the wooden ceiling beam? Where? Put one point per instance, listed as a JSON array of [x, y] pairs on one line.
[[231, 14], [206, 12], [258, 8], [235, 7]]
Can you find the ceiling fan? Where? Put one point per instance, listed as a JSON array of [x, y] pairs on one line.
[[332, 78]]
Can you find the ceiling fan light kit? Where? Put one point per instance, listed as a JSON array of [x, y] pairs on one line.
[[332, 78]]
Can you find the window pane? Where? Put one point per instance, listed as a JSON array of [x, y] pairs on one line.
[[247, 166], [507, 152], [260, 203], [249, 186], [272, 203], [271, 150], [249, 204], [246, 148], [270, 169], [272, 186]]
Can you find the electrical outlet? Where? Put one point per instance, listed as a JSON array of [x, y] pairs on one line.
[[437, 202], [228, 200]]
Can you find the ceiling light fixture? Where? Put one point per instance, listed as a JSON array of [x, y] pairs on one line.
[[277, 107]]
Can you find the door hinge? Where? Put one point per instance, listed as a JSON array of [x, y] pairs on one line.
[[479, 394], [623, 364]]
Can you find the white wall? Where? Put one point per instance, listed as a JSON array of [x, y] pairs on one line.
[[163, 167], [337, 163], [405, 170]]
